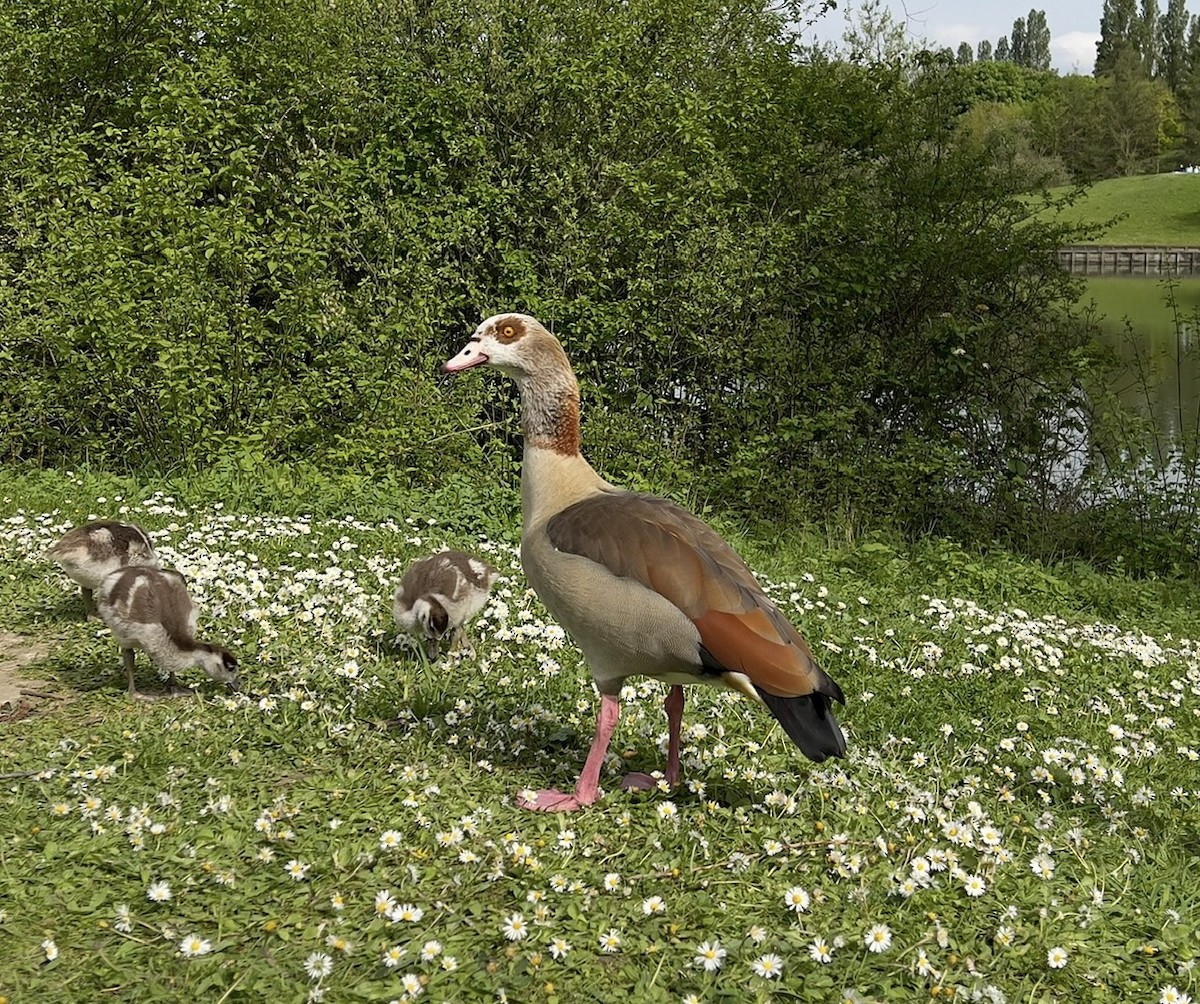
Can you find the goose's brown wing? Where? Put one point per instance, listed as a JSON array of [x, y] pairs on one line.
[[664, 547]]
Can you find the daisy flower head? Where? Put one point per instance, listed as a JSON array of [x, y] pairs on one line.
[[878, 938], [296, 869], [405, 913], [1042, 866], [515, 927], [797, 899], [411, 983], [318, 965], [391, 958], [385, 902], [1173, 995], [1057, 957], [711, 956], [123, 919], [431, 950], [610, 941], [194, 945], [158, 892], [974, 886], [667, 810], [768, 966], [390, 840], [559, 948], [653, 905], [51, 949], [819, 951], [612, 882]]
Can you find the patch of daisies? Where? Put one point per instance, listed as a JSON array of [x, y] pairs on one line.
[[964, 856]]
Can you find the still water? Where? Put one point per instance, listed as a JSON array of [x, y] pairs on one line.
[[1161, 375]]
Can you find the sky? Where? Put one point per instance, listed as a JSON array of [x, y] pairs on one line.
[[1074, 24]]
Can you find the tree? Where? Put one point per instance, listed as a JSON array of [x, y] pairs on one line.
[[965, 54], [1037, 41], [1068, 122], [873, 34], [983, 53], [1147, 39], [1117, 31], [1016, 47], [1002, 50], [1140, 116], [1173, 32], [1189, 99]]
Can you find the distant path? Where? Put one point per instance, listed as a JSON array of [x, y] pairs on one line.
[[1147, 262]]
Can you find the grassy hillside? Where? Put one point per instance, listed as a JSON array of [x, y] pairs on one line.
[[1153, 209]]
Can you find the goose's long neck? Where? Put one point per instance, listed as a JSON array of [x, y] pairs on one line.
[[554, 473]]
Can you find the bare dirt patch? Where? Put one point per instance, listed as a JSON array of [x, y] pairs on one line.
[[17, 651]]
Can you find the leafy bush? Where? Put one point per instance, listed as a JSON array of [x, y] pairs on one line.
[[254, 232]]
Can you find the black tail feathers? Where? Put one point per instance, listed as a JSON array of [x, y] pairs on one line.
[[809, 721]]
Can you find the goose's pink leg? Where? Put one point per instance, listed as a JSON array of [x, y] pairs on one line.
[[587, 788], [674, 708]]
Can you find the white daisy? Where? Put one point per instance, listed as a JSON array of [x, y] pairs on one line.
[[194, 945], [768, 966], [878, 938]]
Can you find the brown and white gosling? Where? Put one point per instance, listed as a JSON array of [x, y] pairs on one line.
[[90, 553], [439, 596], [149, 608]]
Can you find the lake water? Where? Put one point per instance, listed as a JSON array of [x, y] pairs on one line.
[[1161, 379]]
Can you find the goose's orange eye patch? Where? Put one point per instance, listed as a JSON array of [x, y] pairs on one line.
[[510, 330]]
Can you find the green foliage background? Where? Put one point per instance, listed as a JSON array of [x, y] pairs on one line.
[[250, 234]]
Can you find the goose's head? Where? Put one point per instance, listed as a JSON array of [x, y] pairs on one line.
[[515, 344]]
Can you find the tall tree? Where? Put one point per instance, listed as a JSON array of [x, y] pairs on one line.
[[1003, 53], [1189, 98], [1140, 116], [1016, 46], [1117, 29], [1147, 39], [1037, 41], [966, 54], [983, 53], [1173, 32]]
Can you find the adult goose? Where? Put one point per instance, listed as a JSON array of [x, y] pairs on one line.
[[643, 587], [150, 609], [90, 553]]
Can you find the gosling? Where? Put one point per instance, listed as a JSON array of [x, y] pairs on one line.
[[439, 596], [149, 608], [90, 553]]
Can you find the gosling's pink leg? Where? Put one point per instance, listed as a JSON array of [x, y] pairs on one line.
[[587, 788], [674, 708]]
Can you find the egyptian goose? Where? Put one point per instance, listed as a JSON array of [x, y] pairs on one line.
[[149, 608], [89, 553], [642, 586], [439, 595]]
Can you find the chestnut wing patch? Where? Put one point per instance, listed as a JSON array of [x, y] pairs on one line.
[[664, 547]]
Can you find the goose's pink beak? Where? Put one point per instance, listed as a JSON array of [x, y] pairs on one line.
[[471, 355]]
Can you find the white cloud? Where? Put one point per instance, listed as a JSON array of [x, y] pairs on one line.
[[1076, 50]]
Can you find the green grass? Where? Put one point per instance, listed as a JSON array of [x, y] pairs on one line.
[[1156, 209], [1032, 729]]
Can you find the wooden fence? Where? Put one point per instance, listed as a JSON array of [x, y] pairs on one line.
[[1155, 262]]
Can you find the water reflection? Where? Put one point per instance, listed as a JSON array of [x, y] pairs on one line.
[[1158, 342]]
